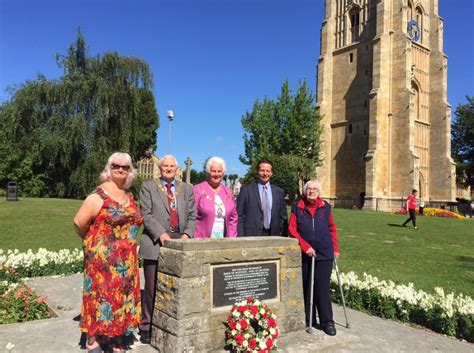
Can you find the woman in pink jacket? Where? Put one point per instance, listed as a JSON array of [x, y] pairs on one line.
[[216, 214]]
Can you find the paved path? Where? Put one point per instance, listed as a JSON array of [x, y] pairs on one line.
[[366, 333]]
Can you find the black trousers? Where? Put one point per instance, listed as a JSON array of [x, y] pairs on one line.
[[148, 300], [321, 294], [412, 218]]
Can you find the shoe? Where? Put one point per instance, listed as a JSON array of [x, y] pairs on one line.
[[145, 337], [416, 228], [329, 328], [93, 348]]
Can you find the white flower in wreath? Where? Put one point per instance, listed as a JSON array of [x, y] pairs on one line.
[[256, 302], [235, 313], [245, 343], [247, 313], [262, 345], [238, 327], [234, 332], [272, 330], [262, 311], [247, 336]]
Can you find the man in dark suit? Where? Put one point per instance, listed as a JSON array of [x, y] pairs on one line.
[[169, 212], [261, 206]]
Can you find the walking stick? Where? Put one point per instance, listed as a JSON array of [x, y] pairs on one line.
[[340, 289], [310, 328]]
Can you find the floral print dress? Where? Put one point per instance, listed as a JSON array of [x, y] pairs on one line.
[[111, 294]]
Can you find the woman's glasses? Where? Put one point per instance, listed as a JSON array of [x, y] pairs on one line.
[[118, 166]]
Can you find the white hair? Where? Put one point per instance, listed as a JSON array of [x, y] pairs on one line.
[[215, 160], [316, 184], [122, 157], [168, 156]]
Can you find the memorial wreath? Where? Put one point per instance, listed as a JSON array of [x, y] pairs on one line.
[[251, 327]]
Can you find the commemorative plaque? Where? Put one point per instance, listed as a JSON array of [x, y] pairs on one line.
[[235, 282]]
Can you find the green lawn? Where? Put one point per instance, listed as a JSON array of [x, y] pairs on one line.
[[439, 254], [38, 223]]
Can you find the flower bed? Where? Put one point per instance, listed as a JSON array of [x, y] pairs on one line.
[[41, 263], [251, 327], [453, 316], [434, 212], [18, 303]]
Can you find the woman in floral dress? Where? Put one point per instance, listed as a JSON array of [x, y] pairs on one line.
[[108, 222]]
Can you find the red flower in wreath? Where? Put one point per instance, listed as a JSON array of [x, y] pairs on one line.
[[239, 339], [243, 324], [269, 343], [272, 322], [252, 343]]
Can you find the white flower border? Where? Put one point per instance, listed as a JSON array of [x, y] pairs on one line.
[[407, 294], [16, 259]]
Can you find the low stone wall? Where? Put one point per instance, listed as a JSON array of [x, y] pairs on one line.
[[183, 319]]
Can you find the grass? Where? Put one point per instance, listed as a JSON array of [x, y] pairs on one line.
[[32, 223], [439, 254]]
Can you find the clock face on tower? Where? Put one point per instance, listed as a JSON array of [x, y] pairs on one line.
[[413, 30]]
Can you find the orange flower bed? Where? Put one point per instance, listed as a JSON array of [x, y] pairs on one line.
[[434, 212]]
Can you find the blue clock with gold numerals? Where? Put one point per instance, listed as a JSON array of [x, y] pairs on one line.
[[414, 30]]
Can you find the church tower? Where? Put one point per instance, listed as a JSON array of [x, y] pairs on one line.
[[382, 89]]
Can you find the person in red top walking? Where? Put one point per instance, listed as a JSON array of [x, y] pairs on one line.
[[312, 223], [411, 208]]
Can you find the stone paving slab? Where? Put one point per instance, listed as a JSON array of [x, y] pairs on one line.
[[366, 333]]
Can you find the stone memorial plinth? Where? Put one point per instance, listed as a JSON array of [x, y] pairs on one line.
[[199, 280]]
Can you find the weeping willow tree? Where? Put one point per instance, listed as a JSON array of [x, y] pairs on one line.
[[56, 135]]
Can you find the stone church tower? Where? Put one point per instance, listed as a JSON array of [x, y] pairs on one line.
[[382, 90]]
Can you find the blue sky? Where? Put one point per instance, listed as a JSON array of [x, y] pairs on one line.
[[210, 59]]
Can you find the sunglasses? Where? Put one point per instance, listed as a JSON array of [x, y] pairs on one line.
[[118, 166]]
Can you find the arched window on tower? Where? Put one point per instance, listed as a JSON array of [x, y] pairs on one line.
[[419, 20], [409, 11], [354, 20], [416, 99]]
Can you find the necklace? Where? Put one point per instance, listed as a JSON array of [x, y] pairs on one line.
[[124, 201], [219, 205], [171, 198]]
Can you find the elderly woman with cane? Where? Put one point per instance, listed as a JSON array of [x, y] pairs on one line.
[[312, 223]]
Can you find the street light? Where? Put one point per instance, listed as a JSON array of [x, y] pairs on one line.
[[170, 114]]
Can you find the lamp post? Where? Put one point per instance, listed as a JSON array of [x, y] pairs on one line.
[[170, 114]]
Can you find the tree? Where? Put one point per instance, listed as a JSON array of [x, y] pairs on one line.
[[462, 132], [288, 133], [57, 134], [197, 176]]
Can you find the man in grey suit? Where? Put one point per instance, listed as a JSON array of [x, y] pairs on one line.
[[261, 206], [169, 212]]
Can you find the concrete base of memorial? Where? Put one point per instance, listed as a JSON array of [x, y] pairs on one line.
[[198, 280]]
